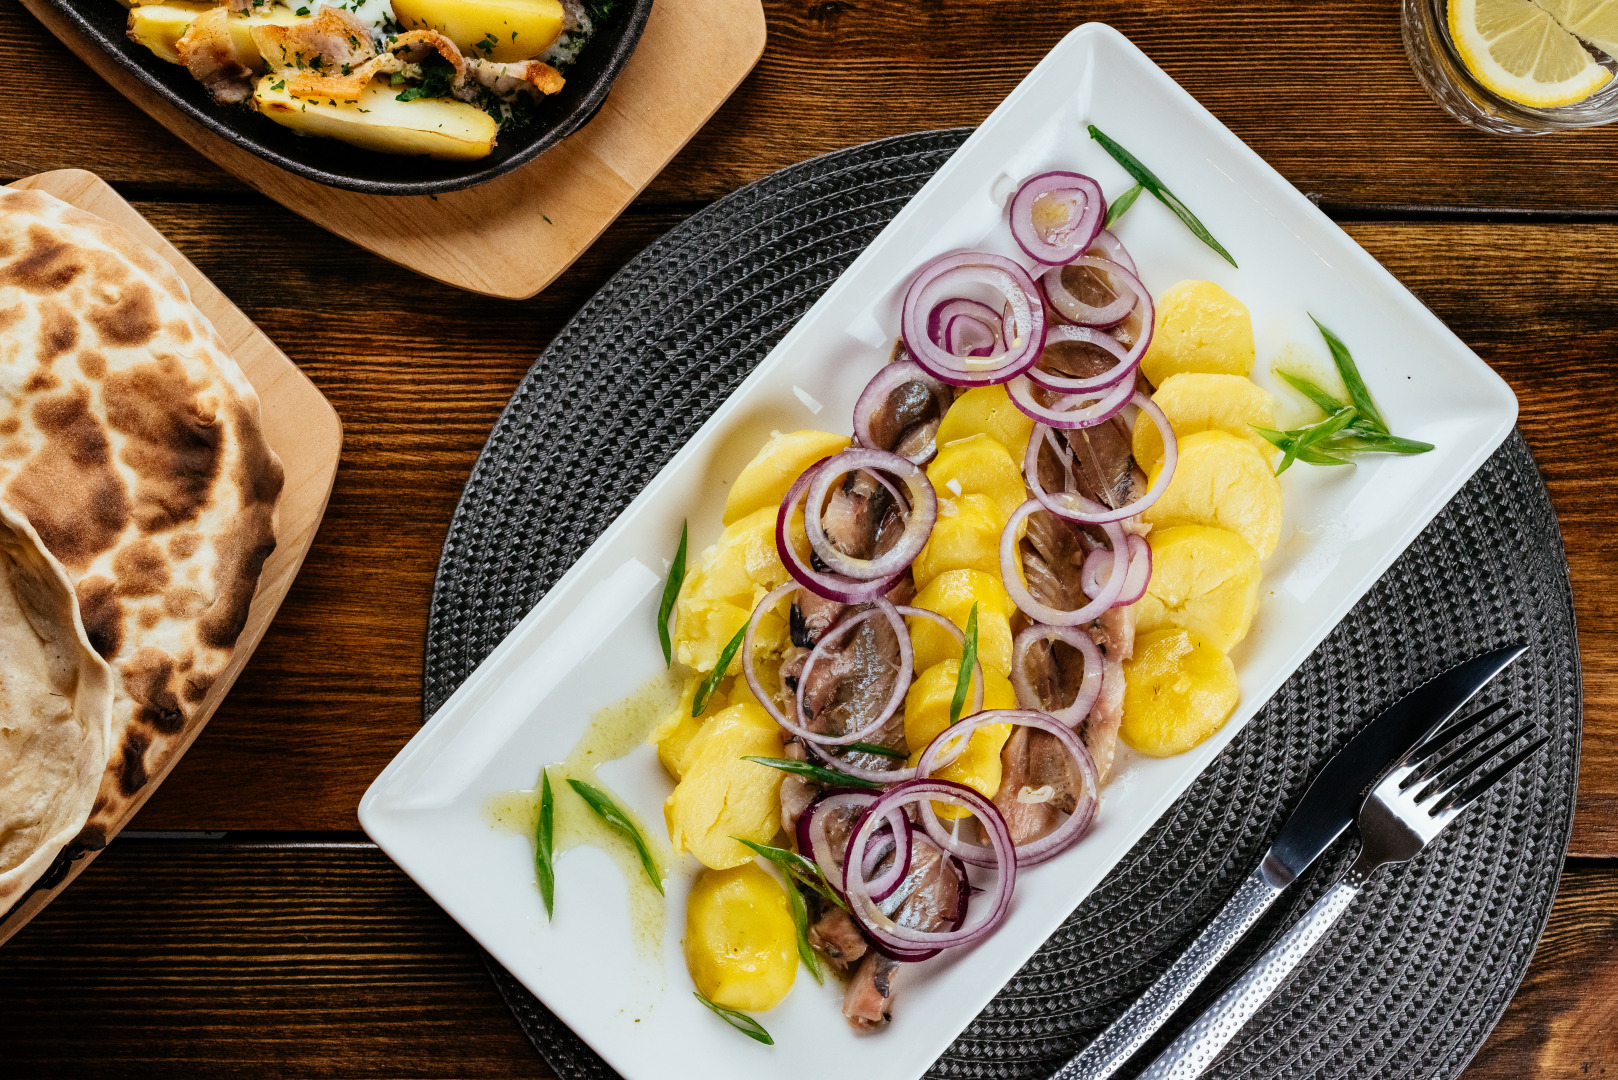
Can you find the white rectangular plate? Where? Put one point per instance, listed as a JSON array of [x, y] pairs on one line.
[[529, 702]]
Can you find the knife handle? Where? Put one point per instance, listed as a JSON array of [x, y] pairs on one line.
[[1192, 1053], [1129, 1032]]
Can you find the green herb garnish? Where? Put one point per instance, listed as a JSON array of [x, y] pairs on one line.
[[738, 1020], [1120, 206], [671, 592], [706, 690], [798, 868], [873, 748], [969, 659], [620, 822], [829, 777], [1148, 180], [1348, 429], [544, 845]]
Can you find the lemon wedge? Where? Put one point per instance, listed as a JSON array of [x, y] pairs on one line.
[[1596, 21], [1518, 50]]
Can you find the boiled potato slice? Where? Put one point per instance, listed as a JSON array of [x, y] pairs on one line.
[[765, 480], [721, 796], [1199, 327], [965, 537], [987, 410], [159, 26], [979, 465], [724, 585], [676, 732], [740, 943], [434, 127], [499, 30], [1195, 402], [927, 708], [952, 595], [1178, 690], [1221, 480], [1204, 580]]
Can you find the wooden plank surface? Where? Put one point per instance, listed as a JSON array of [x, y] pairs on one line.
[[180, 958], [1322, 91]]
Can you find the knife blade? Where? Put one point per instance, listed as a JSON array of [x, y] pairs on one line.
[[1327, 808]]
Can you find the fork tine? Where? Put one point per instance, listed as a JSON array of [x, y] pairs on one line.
[[1434, 746], [1442, 773], [1461, 800]]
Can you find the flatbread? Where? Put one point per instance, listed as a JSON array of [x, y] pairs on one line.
[[55, 711], [133, 443]]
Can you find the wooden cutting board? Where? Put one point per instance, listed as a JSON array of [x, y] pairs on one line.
[[512, 236], [300, 425]]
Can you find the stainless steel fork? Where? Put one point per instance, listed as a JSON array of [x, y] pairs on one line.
[[1410, 806]]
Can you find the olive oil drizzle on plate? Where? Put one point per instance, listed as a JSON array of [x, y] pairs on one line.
[[613, 732]]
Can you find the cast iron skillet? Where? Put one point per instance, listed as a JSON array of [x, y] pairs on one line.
[[328, 161]]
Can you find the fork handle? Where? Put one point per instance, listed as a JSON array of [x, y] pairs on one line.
[[1151, 1011], [1192, 1053]]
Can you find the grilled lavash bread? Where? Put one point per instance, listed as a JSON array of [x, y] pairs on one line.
[[55, 711], [133, 443]]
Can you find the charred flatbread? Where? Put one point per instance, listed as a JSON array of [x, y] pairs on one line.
[[55, 711], [133, 443]]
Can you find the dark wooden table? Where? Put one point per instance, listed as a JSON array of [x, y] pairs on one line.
[[245, 926]]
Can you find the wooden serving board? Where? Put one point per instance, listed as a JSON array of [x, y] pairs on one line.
[[301, 427], [512, 236]]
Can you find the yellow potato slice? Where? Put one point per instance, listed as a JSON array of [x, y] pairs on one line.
[[722, 796], [1222, 481], [1178, 690], [1199, 327], [501, 30], [1204, 580], [952, 595], [965, 537], [987, 410], [765, 480], [979, 465], [926, 714], [159, 26], [725, 583], [431, 127], [740, 943], [1195, 402], [676, 732]]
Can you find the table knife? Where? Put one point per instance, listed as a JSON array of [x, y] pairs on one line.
[[1326, 810]]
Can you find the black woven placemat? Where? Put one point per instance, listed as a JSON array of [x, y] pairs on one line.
[[1418, 971]]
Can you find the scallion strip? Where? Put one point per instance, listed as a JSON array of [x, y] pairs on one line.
[[620, 822], [873, 748], [671, 592], [705, 691], [1120, 206], [969, 659], [829, 777], [738, 1020], [1358, 392], [796, 867], [1148, 180], [544, 845]]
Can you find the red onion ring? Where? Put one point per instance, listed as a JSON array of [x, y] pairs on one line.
[[918, 526], [1108, 246], [941, 281], [1065, 242], [876, 394], [891, 935], [883, 886], [1089, 689], [1099, 563], [1034, 852], [1126, 299], [967, 336], [770, 600], [940, 317], [1089, 335], [901, 680], [1075, 507], [1103, 404], [832, 586], [812, 841], [1044, 613]]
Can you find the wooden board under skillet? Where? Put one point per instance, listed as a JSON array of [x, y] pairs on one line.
[[300, 426], [1417, 973]]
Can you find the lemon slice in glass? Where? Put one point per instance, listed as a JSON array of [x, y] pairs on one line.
[[1596, 21], [1518, 51]]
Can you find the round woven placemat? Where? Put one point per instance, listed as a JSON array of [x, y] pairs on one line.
[[1418, 971]]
